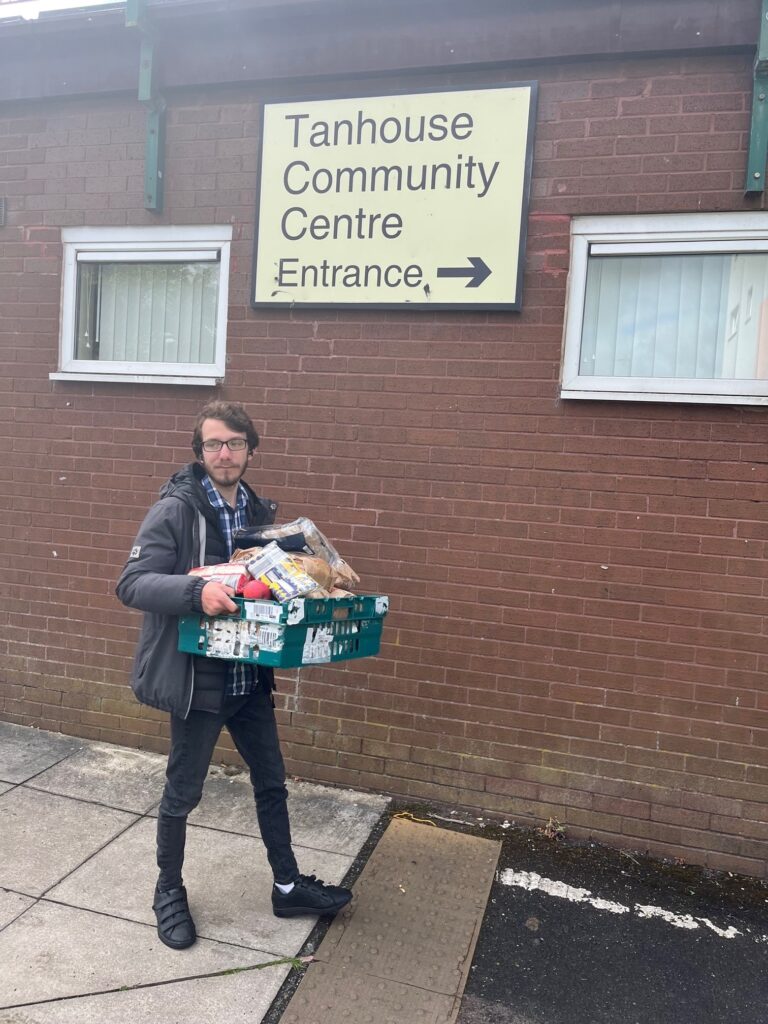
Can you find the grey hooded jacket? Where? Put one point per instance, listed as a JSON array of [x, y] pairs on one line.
[[170, 541]]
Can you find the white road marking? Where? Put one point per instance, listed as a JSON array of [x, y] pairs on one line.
[[678, 920], [531, 880]]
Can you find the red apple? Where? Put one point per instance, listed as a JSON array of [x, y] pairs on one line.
[[255, 590]]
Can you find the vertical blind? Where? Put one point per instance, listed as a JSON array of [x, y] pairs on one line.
[[147, 312], [680, 315]]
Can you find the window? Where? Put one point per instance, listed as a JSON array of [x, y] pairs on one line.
[[144, 304], [668, 308]]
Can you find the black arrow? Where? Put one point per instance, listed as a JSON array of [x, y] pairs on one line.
[[477, 273]]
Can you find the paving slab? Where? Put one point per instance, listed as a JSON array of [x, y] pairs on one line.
[[411, 928], [5, 786], [43, 837], [11, 905], [25, 752], [325, 818], [227, 877], [131, 780], [53, 951], [241, 998], [322, 818]]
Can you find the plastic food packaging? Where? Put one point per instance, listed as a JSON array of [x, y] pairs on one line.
[[231, 574], [246, 554], [301, 535], [317, 568], [284, 577]]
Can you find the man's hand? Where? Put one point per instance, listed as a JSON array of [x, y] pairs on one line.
[[217, 599]]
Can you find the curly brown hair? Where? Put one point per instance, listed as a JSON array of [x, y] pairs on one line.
[[231, 413]]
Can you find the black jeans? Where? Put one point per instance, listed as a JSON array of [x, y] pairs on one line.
[[251, 723]]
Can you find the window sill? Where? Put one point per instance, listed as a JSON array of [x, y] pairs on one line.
[[663, 396], [134, 378]]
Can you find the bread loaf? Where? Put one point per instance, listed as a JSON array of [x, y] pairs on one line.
[[317, 568]]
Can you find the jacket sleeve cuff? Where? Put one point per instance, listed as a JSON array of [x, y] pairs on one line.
[[196, 593]]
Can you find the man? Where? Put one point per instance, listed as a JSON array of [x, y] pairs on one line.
[[192, 524]]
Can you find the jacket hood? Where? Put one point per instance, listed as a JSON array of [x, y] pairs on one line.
[[186, 485]]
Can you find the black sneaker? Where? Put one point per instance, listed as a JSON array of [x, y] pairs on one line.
[[175, 926], [310, 895]]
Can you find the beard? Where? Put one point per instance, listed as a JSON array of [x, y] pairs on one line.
[[226, 476]]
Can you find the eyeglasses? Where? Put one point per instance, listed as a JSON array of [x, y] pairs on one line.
[[235, 444]]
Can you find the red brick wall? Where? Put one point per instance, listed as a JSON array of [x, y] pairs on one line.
[[578, 589]]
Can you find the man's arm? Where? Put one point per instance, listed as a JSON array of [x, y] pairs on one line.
[[153, 580]]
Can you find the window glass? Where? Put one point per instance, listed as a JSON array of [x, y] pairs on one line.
[[698, 316], [147, 312]]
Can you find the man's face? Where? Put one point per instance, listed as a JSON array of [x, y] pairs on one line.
[[224, 467]]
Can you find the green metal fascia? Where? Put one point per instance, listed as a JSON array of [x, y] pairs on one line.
[[757, 156], [154, 145], [135, 14]]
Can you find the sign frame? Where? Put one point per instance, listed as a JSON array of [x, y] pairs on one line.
[[514, 307]]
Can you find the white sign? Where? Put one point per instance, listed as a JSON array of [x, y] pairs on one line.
[[416, 200]]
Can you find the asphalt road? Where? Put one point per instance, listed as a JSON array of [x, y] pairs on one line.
[[586, 935]]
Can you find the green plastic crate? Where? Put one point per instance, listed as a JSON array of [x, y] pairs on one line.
[[303, 631]]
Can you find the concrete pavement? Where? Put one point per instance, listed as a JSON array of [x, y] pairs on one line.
[[77, 932], [572, 933]]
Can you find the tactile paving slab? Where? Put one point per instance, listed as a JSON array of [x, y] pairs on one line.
[[402, 949], [337, 995]]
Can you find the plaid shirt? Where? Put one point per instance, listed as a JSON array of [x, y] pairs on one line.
[[242, 678]]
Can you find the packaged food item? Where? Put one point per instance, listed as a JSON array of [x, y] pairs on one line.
[[343, 574], [287, 536], [246, 554], [231, 574], [281, 574], [313, 564], [317, 568], [301, 535]]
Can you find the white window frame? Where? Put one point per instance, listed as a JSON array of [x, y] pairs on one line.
[[145, 244], [634, 235]]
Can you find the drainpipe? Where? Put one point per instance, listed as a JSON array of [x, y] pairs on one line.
[[758, 129], [154, 147]]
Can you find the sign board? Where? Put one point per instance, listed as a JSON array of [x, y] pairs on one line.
[[416, 200]]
